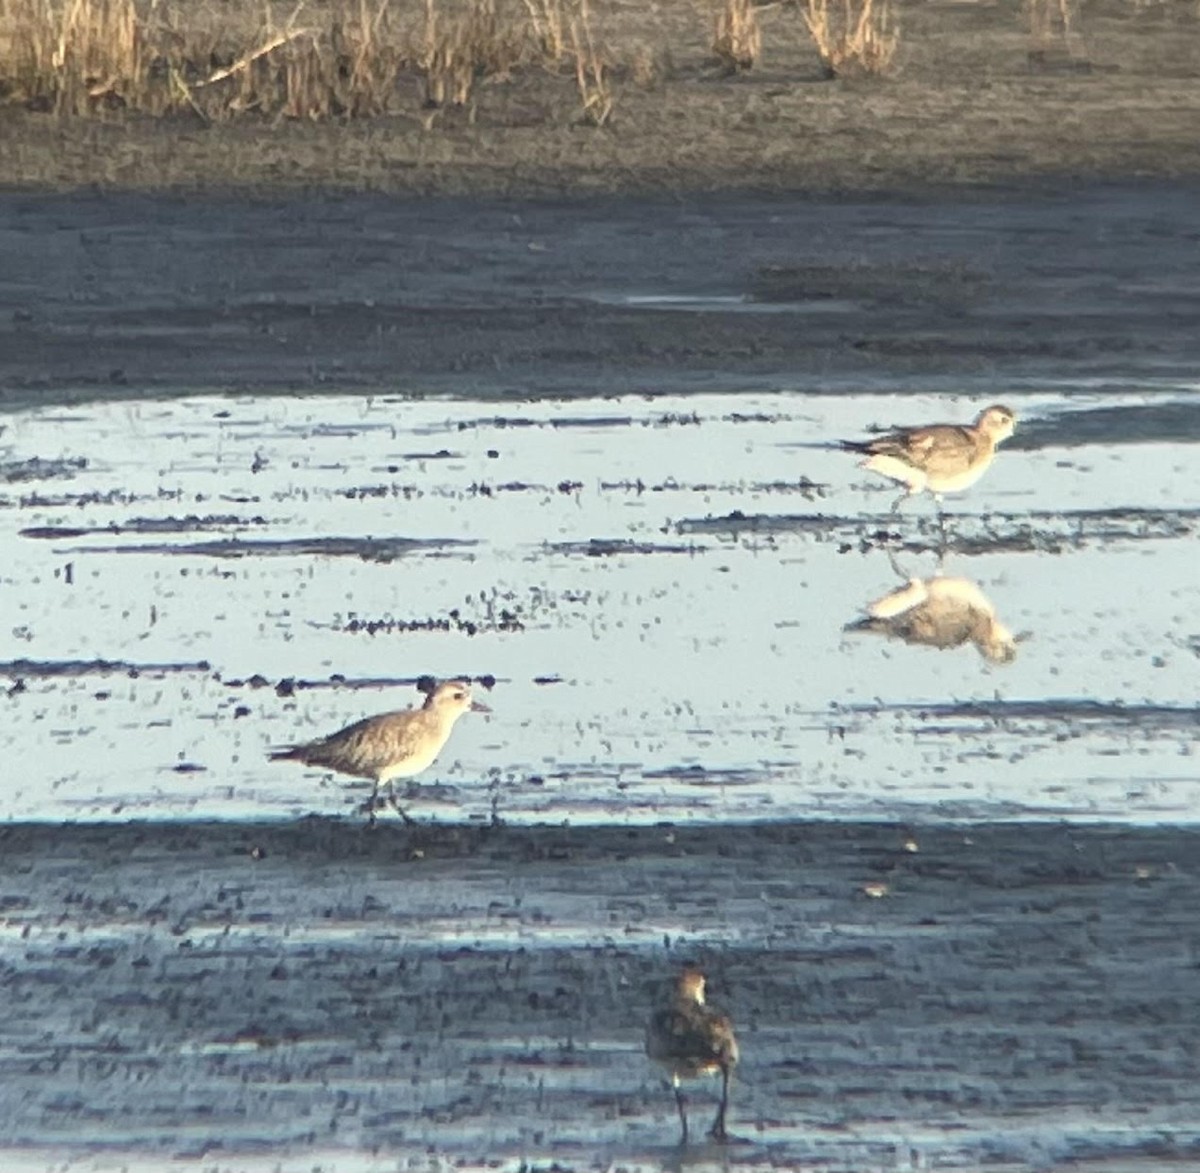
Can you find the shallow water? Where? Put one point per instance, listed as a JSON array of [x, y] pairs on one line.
[[658, 593], [660, 588]]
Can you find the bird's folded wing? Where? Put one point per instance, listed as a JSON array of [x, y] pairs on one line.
[[939, 448]]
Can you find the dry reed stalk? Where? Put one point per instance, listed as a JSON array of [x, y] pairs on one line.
[[448, 73], [737, 37], [591, 72], [1049, 22], [859, 38], [548, 24], [454, 53], [70, 56]]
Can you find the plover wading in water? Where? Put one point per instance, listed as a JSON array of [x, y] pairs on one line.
[[691, 1039], [940, 458], [391, 745]]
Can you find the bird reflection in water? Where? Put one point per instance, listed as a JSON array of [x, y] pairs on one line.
[[941, 611]]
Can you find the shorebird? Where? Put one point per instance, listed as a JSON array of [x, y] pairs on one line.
[[941, 613], [390, 745], [690, 1039], [940, 458]]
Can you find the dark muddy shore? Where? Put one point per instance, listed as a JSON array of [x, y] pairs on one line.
[[907, 996], [131, 296]]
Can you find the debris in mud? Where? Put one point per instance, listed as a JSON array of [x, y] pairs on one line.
[[607, 547], [804, 486], [502, 620], [290, 685], [379, 492], [503, 422]]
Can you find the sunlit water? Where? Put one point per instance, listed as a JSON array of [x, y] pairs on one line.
[[650, 662]]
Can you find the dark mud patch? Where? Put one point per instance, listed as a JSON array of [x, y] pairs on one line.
[[15, 472], [937, 282], [1066, 711], [614, 547], [52, 669], [83, 500], [290, 685], [1151, 423], [366, 549], [699, 776], [146, 525], [1045, 531]]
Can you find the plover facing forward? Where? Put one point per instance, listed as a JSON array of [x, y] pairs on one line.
[[390, 745], [940, 458], [691, 1039]]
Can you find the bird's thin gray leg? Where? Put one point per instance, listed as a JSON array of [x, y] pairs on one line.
[[368, 807], [898, 502], [394, 802], [897, 569], [717, 1131], [681, 1104]]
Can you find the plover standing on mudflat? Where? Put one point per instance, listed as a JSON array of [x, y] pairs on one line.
[[939, 458], [390, 745], [691, 1039]]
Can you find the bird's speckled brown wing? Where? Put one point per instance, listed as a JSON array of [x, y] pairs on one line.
[[368, 746], [691, 1039], [938, 449]]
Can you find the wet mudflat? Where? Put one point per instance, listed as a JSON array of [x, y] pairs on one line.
[[312, 994], [947, 893]]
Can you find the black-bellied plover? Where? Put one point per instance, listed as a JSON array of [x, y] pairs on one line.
[[940, 458], [391, 745], [691, 1039]]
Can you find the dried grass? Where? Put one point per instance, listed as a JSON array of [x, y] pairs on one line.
[[737, 37], [458, 50], [548, 26], [342, 59], [69, 56], [591, 69], [1051, 25], [852, 37]]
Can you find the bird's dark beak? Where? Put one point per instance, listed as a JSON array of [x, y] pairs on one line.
[[478, 707]]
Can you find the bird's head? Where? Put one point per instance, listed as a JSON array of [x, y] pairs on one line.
[[997, 422], [690, 985], [453, 697]]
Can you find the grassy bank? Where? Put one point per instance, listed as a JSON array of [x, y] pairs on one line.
[[477, 95]]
